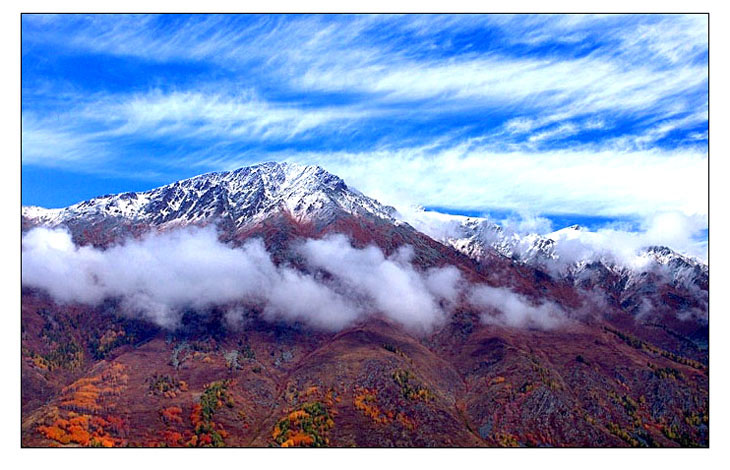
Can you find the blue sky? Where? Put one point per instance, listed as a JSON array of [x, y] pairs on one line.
[[576, 119]]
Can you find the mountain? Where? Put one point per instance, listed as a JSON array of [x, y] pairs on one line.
[[570, 254], [235, 200], [478, 237], [241, 197], [96, 374]]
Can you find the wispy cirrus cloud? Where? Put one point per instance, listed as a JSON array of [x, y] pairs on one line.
[[205, 115], [53, 143], [583, 85], [440, 64], [599, 114], [675, 38], [82, 133]]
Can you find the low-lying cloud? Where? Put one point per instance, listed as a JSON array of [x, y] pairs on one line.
[[155, 276], [672, 229], [391, 283], [161, 275], [503, 307]]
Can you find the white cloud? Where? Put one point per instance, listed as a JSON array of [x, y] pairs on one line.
[[72, 135], [570, 87], [676, 230], [162, 274], [675, 39], [660, 129], [598, 183], [642, 68], [631, 38], [436, 225], [391, 284], [316, 53], [527, 222], [297, 297], [559, 132], [505, 307], [196, 114], [52, 142], [156, 276]]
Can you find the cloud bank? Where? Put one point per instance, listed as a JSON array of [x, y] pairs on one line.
[[156, 276], [161, 275]]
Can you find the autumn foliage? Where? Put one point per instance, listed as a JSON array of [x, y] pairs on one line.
[[83, 430], [172, 415], [94, 394], [82, 403], [308, 424], [409, 389], [366, 402], [208, 433], [166, 386]]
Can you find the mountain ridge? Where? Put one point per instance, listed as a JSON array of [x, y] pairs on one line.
[[305, 191]]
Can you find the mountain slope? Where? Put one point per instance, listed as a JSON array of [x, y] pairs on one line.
[[96, 374]]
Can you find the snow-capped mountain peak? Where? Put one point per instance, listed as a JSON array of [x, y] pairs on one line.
[[242, 197]]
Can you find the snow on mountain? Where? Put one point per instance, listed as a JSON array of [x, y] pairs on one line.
[[477, 236], [582, 249], [684, 270], [571, 252], [243, 197]]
